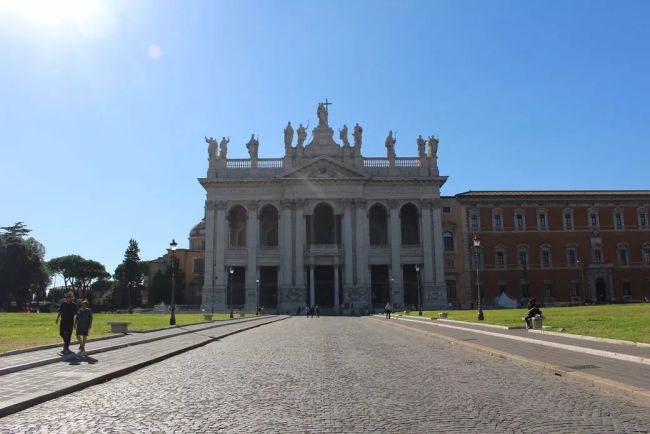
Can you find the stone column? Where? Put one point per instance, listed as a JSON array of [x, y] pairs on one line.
[[440, 290], [299, 228], [252, 243], [312, 286], [427, 271], [347, 245], [336, 286], [360, 296], [219, 249], [208, 293], [395, 249], [286, 243]]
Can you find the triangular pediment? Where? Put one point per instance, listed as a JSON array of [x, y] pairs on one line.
[[324, 168]]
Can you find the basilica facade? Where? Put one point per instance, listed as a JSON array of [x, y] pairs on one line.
[[323, 225]]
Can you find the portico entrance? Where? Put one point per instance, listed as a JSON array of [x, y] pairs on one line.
[[324, 286]]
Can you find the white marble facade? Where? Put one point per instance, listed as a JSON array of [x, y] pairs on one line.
[[323, 225]]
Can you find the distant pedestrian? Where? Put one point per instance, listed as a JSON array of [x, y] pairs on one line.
[[317, 311], [67, 314], [388, 309], [84, 324]]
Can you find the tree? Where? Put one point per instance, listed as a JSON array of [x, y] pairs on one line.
[[23, 271], [130, 275], [78, 273], [160, 289]]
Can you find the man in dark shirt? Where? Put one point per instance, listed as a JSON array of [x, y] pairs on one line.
[[67, 313]]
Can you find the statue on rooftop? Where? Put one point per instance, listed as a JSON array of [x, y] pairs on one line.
[[321, 112], [390, 145], [212, 148], [288, 135], [421, 146], [223, 147], [357, 136], [252, 146], [343, 134], [302, 135], [433, 146]]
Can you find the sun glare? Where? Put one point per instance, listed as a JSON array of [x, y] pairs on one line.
[[57, 13]]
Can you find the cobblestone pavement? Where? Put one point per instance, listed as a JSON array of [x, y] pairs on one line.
[[334, 375]]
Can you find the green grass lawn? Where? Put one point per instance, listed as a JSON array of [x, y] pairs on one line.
[[630, 322], [24, 330]]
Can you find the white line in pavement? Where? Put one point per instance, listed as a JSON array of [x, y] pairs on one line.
[[602, 353]]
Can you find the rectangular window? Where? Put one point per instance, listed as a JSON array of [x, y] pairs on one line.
[[548, 289], [446, 209], [542, 221], [448, 239], [646, 255], [643, 219], [520, 222], [627, 288], [451, 263], [593, 219], [622, 256], [474, 222], [525, 290], [451, 289], [523, 258], [568, 221], [500, 260], [598, 256], [575, 289], [573, 257], [546, 258], [497, 222], [619, 220]]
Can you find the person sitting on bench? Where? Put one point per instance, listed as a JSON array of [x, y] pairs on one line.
[[533, 310]]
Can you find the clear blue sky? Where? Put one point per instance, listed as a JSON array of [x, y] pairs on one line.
[[104, 104]]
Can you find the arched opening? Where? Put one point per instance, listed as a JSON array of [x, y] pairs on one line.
[[269, 226], [237, 218], [410, 222], [378, 224]]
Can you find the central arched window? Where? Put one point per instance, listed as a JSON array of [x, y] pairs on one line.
[[324, 227], [378, 225], [237, 218], [269, 226], [410, 221]]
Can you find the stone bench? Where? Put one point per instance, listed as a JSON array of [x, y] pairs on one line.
[[537, 322], [207, 317], [119, 326]]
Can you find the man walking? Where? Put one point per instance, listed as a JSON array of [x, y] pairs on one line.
[[67, 313]]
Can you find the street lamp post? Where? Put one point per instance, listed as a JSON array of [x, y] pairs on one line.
[[390, 291], [477, 246], [257, 283], [417, 271], [172, 318], [231, 271], [582, 278]]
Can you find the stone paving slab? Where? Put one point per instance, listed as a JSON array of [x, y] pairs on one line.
[[24, 388], [29, 358], [626, 377]]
